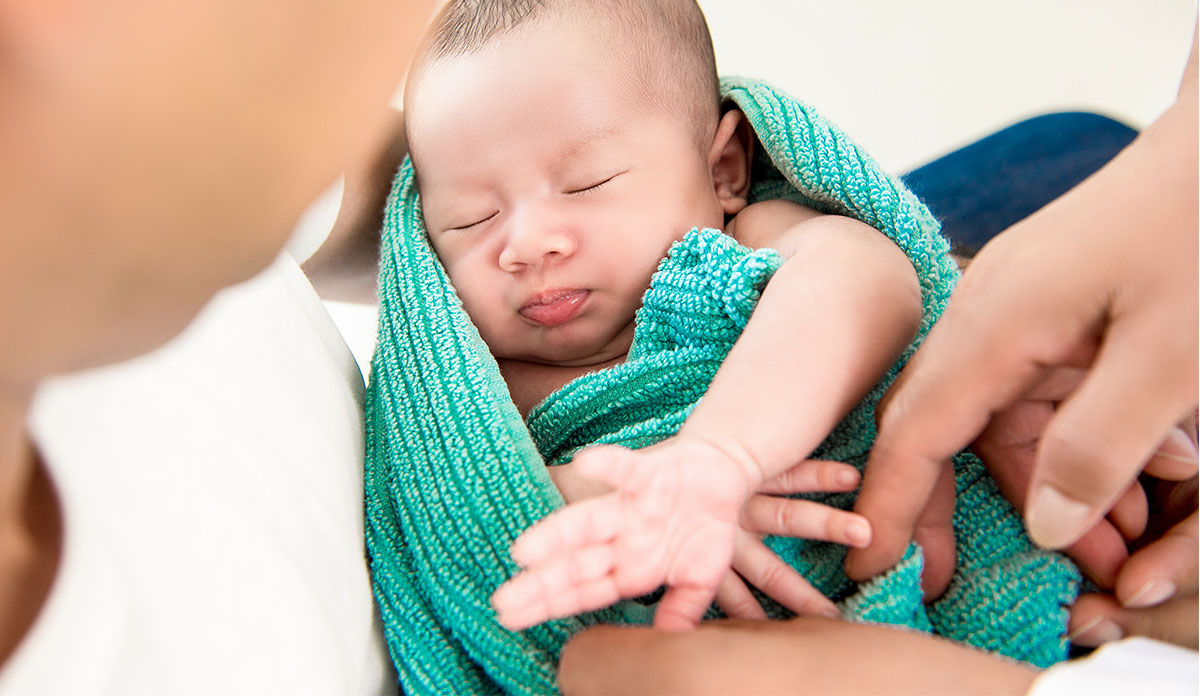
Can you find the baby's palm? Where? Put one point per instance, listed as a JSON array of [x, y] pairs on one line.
[[671, 520]]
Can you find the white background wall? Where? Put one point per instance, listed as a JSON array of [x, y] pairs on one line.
[[912, 79]]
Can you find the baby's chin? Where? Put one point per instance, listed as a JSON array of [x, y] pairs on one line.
[[576, 359], [579, 356], [574, 351]]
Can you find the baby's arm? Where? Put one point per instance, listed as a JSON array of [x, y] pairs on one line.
[[831, 320]]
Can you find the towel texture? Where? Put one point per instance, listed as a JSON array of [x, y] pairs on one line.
[[453, 474]]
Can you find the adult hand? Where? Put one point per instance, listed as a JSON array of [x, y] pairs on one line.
[[1102, 279], [1155, 590]]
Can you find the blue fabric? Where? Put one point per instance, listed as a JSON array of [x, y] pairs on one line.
[[981, 189]]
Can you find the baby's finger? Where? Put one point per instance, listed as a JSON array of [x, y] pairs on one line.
[[561, 587], [682, 607], [588, 522], [779, 581], [737, 601], [814, 475], [764, 514]]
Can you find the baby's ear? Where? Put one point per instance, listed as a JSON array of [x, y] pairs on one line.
[[729, 160]]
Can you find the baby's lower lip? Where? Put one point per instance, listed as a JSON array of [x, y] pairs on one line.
[[559, 309]]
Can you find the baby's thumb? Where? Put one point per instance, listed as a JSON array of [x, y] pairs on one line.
[[616, 466]]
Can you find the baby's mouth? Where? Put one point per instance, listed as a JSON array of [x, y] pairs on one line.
[[554, 306]]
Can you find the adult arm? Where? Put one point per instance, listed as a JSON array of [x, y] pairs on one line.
[[346, 266], [805, 655], [1104, 279]]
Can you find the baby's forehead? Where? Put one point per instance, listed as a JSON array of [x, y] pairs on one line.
[[620, 37], [438, 85]]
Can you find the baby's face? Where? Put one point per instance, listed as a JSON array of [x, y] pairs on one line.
[[551, 190]]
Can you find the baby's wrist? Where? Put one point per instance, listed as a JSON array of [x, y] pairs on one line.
[[740, 458]]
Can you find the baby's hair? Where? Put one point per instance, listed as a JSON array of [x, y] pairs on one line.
[[667, 42]]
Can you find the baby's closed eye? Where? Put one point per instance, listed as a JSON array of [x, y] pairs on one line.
[[588, 188]]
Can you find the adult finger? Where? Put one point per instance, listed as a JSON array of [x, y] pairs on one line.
[[737, 601], [934, 532], [1129, 399], [1008, 447], [1098, 618], [1130, 513], [941, 401], [760, 567], [1176, 458], [1163, 569], [765, 514], [932, 529], [813, 475]]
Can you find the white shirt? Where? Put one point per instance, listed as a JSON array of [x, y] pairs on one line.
[[1122, 668], [212, 502]]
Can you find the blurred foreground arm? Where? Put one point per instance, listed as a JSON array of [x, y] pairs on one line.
[[806, 655], [346, 266]]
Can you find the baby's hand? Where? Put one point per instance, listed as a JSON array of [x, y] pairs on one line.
[[671, 520], [765, 514]]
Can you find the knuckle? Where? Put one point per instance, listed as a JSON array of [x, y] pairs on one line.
[[771, 578], [745, 606], [784, 515]]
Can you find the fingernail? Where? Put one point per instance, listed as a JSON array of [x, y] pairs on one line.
[[847, 479], [1055, 520], [833, 613], [1097, 632], [1178, 447], [858, 533], [1150, 594]]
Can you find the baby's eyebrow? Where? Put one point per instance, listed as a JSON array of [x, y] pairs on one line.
[[588, 140]]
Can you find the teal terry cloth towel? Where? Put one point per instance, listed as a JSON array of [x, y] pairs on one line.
[[453, 476]]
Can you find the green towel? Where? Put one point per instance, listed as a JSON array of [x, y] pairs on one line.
[[453, 476]]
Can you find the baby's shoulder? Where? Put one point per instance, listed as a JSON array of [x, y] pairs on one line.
[[761, 224]]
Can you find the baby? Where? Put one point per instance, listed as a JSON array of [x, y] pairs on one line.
[[560, 149]]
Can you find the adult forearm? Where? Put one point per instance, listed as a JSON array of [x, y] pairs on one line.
[[346, 265], [807, 655]]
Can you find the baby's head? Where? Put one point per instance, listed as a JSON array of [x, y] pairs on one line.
[[560, 147]]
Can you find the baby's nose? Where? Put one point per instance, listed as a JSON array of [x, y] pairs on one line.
[[534, 240]]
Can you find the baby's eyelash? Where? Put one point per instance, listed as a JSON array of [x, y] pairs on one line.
[[593, 187], [463, 228]]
